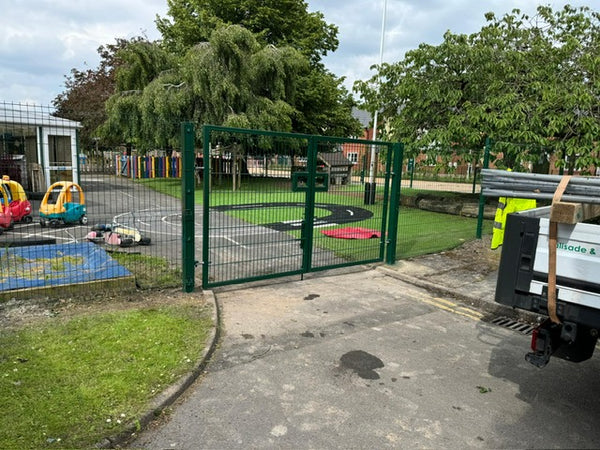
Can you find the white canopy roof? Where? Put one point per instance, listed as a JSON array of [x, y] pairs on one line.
[[17, 114]]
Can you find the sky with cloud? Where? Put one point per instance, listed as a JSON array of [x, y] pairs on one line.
[[42, 40]]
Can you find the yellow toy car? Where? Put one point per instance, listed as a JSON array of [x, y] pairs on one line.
[[63, 203]]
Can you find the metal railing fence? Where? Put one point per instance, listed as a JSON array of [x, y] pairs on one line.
[[69, 225], [278, 204]]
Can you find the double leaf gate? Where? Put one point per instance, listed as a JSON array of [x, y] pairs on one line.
[[277, 204]]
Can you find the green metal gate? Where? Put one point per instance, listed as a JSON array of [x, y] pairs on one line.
[[278, 204]]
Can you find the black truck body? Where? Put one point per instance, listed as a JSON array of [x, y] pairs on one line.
[[523, 283]]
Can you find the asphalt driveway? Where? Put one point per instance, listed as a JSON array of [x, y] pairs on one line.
[[364, 360]]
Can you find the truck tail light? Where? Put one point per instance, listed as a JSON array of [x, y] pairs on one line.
[[534, 336]]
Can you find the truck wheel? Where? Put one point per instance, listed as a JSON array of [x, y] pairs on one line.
[[42, 223], [83, 220], [27, 219], [54, 223], [144, 241]]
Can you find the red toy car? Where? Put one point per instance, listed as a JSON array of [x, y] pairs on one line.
[[6, 219], [20, 207]]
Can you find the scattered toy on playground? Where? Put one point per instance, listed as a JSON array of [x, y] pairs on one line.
[[117, 235]]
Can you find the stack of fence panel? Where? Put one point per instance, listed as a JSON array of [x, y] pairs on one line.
[[501, 183]]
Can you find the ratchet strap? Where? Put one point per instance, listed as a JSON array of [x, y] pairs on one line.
[[552, 241]]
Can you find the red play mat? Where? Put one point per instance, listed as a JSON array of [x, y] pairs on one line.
[[352, 233]]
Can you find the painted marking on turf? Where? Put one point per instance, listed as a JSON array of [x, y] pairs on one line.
[[293, 223], [325, 225]]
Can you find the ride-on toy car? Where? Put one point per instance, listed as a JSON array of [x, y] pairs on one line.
[[63, 203], [6, 220], [20, 207]]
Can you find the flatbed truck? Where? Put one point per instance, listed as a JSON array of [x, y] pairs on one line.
[[523, 279]]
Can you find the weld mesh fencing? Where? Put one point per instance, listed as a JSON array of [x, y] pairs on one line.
[[132, 230], [259, 202], [440, 201], [119, 231]]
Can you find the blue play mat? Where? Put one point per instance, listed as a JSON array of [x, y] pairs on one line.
[[55, 265]]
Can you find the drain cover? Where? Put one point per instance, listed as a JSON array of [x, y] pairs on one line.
[[511, 324]]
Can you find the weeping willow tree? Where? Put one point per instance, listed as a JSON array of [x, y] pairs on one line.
[[142, 89], [231, 80]]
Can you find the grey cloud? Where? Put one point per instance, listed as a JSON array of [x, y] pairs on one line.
[[59, 35]]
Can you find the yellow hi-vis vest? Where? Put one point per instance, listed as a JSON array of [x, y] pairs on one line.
[[507, 205]]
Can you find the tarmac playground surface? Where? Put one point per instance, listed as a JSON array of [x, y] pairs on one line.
[[114, 200]]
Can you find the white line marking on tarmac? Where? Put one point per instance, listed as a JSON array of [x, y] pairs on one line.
[[235, 242]]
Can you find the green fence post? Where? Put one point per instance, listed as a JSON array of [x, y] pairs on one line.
[[309, 209], [398, 150], [188, 204], [206, 187], [486, 162]]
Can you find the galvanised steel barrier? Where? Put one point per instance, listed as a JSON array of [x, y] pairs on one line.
[[278, 204]]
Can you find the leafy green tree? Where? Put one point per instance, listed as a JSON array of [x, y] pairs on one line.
[[530, 82], [232, 80], [265, 72], [83, 101], [140, 63], [278, 22], [572, 105], [322, 104], [86, 92]]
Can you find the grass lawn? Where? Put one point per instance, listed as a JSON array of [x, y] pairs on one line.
[[423, 232], [151, 272], [69, 382]]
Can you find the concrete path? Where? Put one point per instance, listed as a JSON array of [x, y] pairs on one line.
[[365, 360]]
